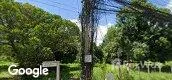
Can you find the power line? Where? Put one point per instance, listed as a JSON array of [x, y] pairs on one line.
[[110, 5], [146, 10], [62, 4], [78, 5], [165, 1], [158, 3], [56, 6]]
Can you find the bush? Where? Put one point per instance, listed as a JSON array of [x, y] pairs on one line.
[[166, 68], [99, 73]]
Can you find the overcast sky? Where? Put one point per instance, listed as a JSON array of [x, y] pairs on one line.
[[69, 9]]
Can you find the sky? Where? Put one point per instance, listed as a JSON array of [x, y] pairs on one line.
[[70, 9]]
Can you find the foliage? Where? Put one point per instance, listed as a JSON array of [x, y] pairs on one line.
[[97, 54], [100, 72], [31, 35], [140, 36], [111, 43]]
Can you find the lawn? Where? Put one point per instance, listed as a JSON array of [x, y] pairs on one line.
[[100, 70], [69, 71], [4, 69]]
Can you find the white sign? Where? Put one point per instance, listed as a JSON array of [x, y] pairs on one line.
[[50, 63], [88, 58], [53, 64]]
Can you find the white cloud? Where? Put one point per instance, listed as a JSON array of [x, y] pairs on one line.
[[76, 21], [169, 5], [101, 30]]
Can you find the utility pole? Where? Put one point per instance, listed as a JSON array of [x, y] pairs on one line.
[[87, 19], [119, 62]]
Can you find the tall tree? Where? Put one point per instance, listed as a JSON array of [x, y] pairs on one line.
[[35, 35], [143, 37]]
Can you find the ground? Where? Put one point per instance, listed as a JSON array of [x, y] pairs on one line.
[[69, 71]]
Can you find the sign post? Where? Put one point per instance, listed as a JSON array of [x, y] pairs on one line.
[[53, 64]]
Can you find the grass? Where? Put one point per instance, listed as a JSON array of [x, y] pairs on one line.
[[132, 75], [151, 76], [100, 71], [5, 74], [5, 63], [4, 69]]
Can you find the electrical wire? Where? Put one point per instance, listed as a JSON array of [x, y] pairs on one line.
[[158, 3], [56, 6], [78, 5], [62, 4]]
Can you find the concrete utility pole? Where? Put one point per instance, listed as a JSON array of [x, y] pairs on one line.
[[87, 22]]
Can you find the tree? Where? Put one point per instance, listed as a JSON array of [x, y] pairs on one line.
[[34, 35], [143, 37], [97, 54]]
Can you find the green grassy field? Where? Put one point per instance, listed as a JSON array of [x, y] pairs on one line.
[[4, 69], [69, 71]]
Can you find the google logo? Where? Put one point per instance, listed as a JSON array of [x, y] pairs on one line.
[[28, 71]]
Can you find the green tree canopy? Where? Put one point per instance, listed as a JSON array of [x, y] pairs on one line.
[[34, 35], [140, 36]]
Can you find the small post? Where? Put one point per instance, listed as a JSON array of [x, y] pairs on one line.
[[139, 71], [148, 66], [58, 72], [148, 69], [160, 66], [119, 62]]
